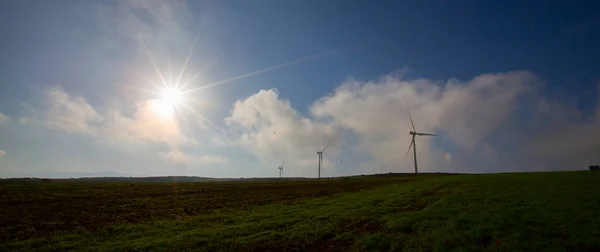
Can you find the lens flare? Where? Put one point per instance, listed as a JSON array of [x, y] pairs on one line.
[[447, 156], [173, 96]]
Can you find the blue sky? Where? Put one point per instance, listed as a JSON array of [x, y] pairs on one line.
[[509, 86]]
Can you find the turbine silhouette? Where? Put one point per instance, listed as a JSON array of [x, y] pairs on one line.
[[414, 133], [320, 153], [280, 170]]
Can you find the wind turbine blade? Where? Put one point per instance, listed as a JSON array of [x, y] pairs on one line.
[[411, 143], [411, 121], [426, 134], [325, 148]]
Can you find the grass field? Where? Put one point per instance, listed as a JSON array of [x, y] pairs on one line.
[[557, 211]]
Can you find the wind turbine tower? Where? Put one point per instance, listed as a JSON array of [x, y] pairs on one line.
[[320, 153], [280, 170], [414, 133]]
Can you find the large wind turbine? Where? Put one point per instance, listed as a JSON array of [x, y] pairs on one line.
[[320, 153], [414, 133], [280, 170]]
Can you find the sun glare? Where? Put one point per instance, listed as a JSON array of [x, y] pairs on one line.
[[167, 101], [162, 108], [172, 96]]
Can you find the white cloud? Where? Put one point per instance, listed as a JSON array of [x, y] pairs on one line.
[[147, 125], [566, 139], [464, 113], [275, 132], [483, 124], [4, 119], [73, 114], [70, 113], [213, 159], [468, 112], [2, 153], [178, 157]]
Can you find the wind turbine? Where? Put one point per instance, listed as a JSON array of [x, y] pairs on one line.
[[280, 170], [414, 133], [320, 153]]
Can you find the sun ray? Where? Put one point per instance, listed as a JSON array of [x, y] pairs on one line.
[[200, 73], [211, 124], [269, 69], [162, 79], [187, 60], [204, 119], [190, 52], [170, 66], [171, 97], [144, 78], [188, 100]]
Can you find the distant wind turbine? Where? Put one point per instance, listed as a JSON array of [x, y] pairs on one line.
[[320, 153], [280, 170], [414, 133]]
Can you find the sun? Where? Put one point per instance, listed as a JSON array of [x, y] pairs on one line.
[[172, 96], [168, 100]]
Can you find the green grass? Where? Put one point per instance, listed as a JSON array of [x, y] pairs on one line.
[[497, 212]]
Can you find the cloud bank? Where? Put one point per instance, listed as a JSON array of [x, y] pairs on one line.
[[73, 114], [178, 157], [3, 119], [496, 122], [275, 132]]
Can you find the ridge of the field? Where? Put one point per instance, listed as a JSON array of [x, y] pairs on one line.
[[551, 211], [16, 180]]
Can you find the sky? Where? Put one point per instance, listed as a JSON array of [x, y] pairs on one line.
[[251, 85]]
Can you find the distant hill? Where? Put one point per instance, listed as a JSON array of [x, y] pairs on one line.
[[143, 179], [88, 177], [65, 175]]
